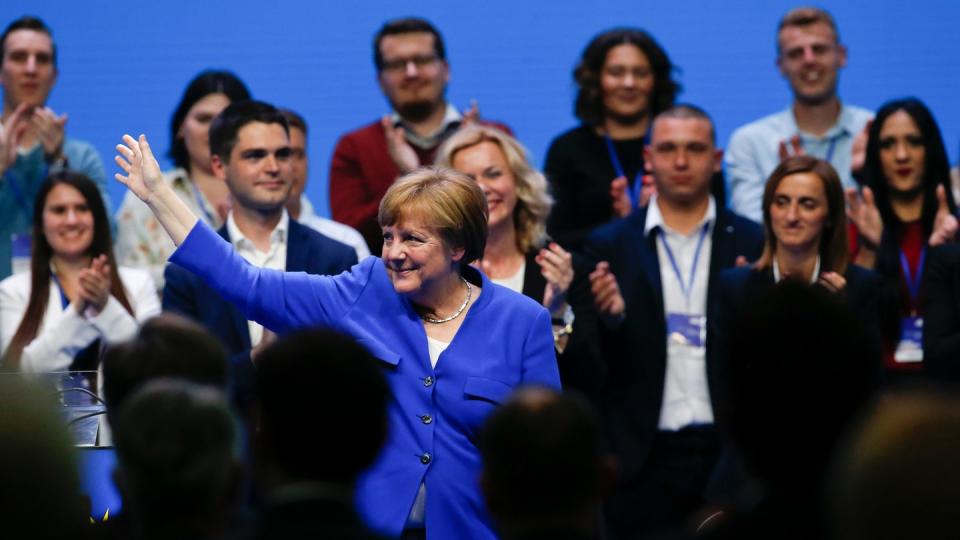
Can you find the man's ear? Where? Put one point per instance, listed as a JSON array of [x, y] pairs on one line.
[[647, 165], [218, 166], [718, 160]]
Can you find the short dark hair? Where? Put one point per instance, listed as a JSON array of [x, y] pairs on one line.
[[168, 345], [204, 84], [542, 455], [28, 22], [588, 106], [314, 386], [407, 25], [176, 444], [688, 110], [295, 120], [224, 128]]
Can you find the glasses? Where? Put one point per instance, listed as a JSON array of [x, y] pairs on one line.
[[400, 64]]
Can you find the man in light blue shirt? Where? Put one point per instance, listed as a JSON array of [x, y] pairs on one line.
[[32, 139], [810, 56]]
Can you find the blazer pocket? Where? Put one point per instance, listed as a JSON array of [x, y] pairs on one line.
[[378, 350], [486, 389]]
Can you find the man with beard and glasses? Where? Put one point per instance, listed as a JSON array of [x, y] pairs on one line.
[[810, 56], [413, 72]]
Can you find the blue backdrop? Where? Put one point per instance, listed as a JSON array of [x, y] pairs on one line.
[[124, 65]]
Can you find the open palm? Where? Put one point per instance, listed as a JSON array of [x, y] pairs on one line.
[[143, 175]]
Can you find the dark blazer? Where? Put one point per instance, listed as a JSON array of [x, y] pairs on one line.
[[636, 349], [940, 305], [581, 364], [187, 294], [308, 518]]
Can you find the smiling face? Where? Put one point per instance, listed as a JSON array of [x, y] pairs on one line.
[[810, 59], [67, 223], [258, 173], [27, 73], [417, 258], [682, 158], [902, 153], [626, 82], [413, 78], [195, 129], [799, 212], [487, 165]]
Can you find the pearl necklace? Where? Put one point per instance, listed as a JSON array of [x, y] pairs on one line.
[[462, 307]]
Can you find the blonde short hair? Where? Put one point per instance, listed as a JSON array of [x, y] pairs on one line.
[[443, 199], [533, 198]]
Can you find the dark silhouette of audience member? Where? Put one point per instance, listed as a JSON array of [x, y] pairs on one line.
[[168, 345], [544, 472], [900, 476], [40, 487], [799, 369], [177, 470], [323, 420]]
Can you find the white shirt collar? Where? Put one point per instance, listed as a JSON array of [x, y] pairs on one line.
[[278, 236], [655, 218], [813, 279], [450, 116]]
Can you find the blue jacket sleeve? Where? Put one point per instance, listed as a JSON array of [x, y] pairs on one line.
[[278, 300], [540, 360]]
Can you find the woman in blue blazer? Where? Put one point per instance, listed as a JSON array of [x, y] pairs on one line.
[[453, 345]]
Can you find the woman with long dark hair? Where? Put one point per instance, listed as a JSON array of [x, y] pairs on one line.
[[141, 242], [75, 294], [906, 205]]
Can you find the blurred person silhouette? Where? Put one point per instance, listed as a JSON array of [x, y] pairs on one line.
[[545, 472], [316, 387]]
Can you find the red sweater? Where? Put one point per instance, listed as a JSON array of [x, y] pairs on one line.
[[360, 173]]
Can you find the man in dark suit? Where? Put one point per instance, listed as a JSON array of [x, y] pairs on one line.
[[653, 283], [250, 147]]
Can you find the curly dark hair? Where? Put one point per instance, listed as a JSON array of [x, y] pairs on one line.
[[589, 104]]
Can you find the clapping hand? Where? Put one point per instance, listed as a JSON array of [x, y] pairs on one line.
[[606, 292], [556, 266], [471, 116], [400, 151], [49, 130], [832, 281], [622, 206], [944, 223], [94, 286], [862, 211], [11, 133], [858, 150], [795, 148]]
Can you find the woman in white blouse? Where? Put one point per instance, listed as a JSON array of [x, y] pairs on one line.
[[74, 294]]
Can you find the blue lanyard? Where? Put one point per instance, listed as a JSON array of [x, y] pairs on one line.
[[203, 208], [64, 301], [833, 146], [913, 282], [634, 190], [686, 288]]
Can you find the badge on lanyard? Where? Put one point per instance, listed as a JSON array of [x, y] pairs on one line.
[[910, 348], [686, 329], [21, 249]]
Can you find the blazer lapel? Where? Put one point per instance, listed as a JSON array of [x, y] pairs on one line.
[[297, 248], [534, 284]]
